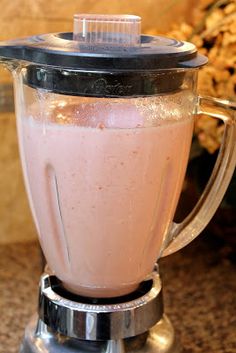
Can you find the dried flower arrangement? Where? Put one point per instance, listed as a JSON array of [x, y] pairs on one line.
[[213, 31]]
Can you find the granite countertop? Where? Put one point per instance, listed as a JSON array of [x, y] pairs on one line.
[[199, 293]]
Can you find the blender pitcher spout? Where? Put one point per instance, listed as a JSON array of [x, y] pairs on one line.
[[11, 65]]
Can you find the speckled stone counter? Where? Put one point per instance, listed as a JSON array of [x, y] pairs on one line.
[[199, 288]]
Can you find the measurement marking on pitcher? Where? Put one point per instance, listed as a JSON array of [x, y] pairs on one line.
[[58, 211], [62, 224]]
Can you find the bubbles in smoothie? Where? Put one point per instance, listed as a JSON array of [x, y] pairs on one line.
[[165, 109], [95, 114], [123, 113]]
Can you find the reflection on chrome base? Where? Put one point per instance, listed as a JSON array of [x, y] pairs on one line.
[[160, 339]]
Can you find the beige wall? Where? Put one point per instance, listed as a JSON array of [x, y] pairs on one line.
[[26, 17], [15, 218]]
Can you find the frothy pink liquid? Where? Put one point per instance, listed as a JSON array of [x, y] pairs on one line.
[[104, 196]]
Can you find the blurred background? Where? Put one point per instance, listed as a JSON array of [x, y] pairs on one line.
[[211, 25]]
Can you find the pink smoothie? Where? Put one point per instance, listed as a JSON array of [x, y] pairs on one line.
[[103, 190]]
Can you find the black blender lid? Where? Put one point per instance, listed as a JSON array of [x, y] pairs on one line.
[[104, 42], [59, 49], [105, 56]]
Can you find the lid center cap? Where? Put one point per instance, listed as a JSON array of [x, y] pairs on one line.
[[112, 30]]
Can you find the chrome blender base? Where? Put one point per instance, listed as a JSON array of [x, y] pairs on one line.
[[67, 323], [159, 339]]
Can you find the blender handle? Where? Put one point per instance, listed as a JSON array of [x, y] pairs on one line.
[[181, 234]]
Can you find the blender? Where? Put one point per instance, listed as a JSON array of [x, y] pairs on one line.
[[105, 120]]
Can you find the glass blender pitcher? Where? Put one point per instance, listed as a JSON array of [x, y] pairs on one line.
[[105, 121]]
